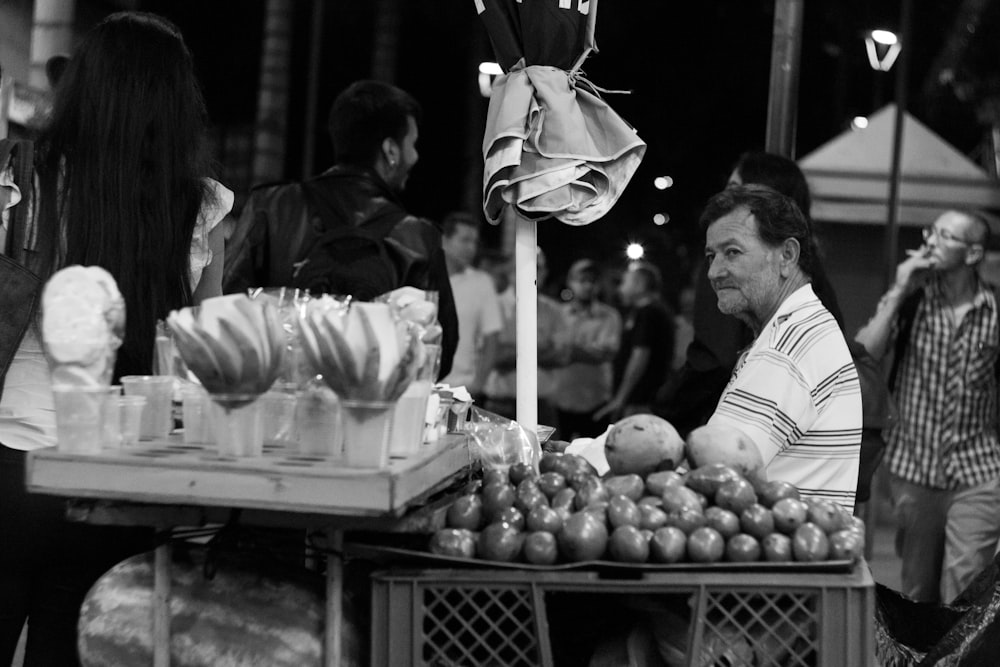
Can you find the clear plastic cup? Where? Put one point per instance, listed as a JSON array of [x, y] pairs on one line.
[[408, 419], [157, 418], [367, 428], [111, 418], [318, 423], [236, 419], [79, 418], [195, 412], [277, 417], [130, 412]]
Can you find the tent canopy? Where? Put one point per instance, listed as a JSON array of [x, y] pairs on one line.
[[849, 175]]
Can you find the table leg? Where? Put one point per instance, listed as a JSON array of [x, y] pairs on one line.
[[334, 599], [161, 606]]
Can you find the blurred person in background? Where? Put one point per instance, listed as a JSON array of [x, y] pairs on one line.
[[692, 394], [346, 231], [594, 335], [501, 387], [476, 303], [642, 363], [495, 264], [939, 325], [121, 171]]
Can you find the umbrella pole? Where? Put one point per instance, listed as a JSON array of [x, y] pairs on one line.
[[526, 312]]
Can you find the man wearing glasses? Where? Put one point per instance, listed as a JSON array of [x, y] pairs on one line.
[[939, 325]]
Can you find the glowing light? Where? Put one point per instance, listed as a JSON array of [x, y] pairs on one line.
[[886, 37], [882, 47], [859, 123], [661, 219], [662, 182], [635, 251]]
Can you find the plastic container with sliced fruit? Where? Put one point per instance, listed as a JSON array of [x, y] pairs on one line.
[[235, 347]]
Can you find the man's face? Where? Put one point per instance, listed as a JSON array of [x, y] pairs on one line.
[[949, 240], [743, 271], [583, 286], [462, 245], [408, 156]]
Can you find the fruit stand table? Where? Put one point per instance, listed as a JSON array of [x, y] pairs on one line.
[[167, 484]]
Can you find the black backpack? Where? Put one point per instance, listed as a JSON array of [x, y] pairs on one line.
[[359, 260]]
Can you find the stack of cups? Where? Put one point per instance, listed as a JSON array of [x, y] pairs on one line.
[[318, 422], [92, 419], [80, 418], [157, 418], [277, 409], [131, 409], [195, 410]]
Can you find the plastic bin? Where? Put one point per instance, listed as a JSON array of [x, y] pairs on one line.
[[480, 617]]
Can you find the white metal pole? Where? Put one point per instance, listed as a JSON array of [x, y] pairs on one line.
[[526, 311]]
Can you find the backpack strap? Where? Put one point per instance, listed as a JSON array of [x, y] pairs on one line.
[[19, 155], [21, 289], [904, 319]]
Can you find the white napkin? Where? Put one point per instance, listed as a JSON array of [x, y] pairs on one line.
[[592, 449]]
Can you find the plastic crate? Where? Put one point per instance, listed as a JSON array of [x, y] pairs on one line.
[[480, 618]]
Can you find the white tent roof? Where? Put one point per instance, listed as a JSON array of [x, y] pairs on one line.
[[849, 175]]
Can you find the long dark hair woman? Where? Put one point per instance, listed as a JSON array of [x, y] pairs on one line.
[[120, 183]]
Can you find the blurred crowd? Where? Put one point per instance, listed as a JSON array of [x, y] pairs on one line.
[[608, 342]]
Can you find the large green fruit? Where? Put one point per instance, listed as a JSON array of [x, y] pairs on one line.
[[642, 444], [239, 617], [727, 445]]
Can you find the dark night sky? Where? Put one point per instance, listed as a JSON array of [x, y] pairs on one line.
[[698, 72]]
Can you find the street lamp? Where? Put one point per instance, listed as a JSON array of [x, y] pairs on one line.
[[882, 47], [635, 251]]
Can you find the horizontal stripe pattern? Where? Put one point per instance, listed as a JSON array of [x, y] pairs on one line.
[[796, 393]]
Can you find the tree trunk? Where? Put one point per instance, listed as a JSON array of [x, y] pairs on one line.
[[272, 97], [385, 44]]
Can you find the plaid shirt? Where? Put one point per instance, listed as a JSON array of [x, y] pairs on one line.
[[946, 389]]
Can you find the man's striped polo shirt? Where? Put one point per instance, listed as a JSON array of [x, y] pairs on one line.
[[795, 392]]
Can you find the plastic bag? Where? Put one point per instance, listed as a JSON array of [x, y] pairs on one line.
[[965, 633], [498, 442]]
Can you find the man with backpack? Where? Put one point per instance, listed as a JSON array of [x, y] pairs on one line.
[[939, 322], [345, 231]]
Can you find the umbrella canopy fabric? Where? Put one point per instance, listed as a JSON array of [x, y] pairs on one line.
[[552, 147]]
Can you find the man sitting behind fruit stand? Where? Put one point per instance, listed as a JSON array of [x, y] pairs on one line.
[[794, 391]]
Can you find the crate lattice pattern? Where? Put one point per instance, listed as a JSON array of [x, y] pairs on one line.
[[761, 629], [478, 627]]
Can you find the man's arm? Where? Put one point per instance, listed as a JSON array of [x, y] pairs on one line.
[[877, 334], [485, 362], [634, 368]]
